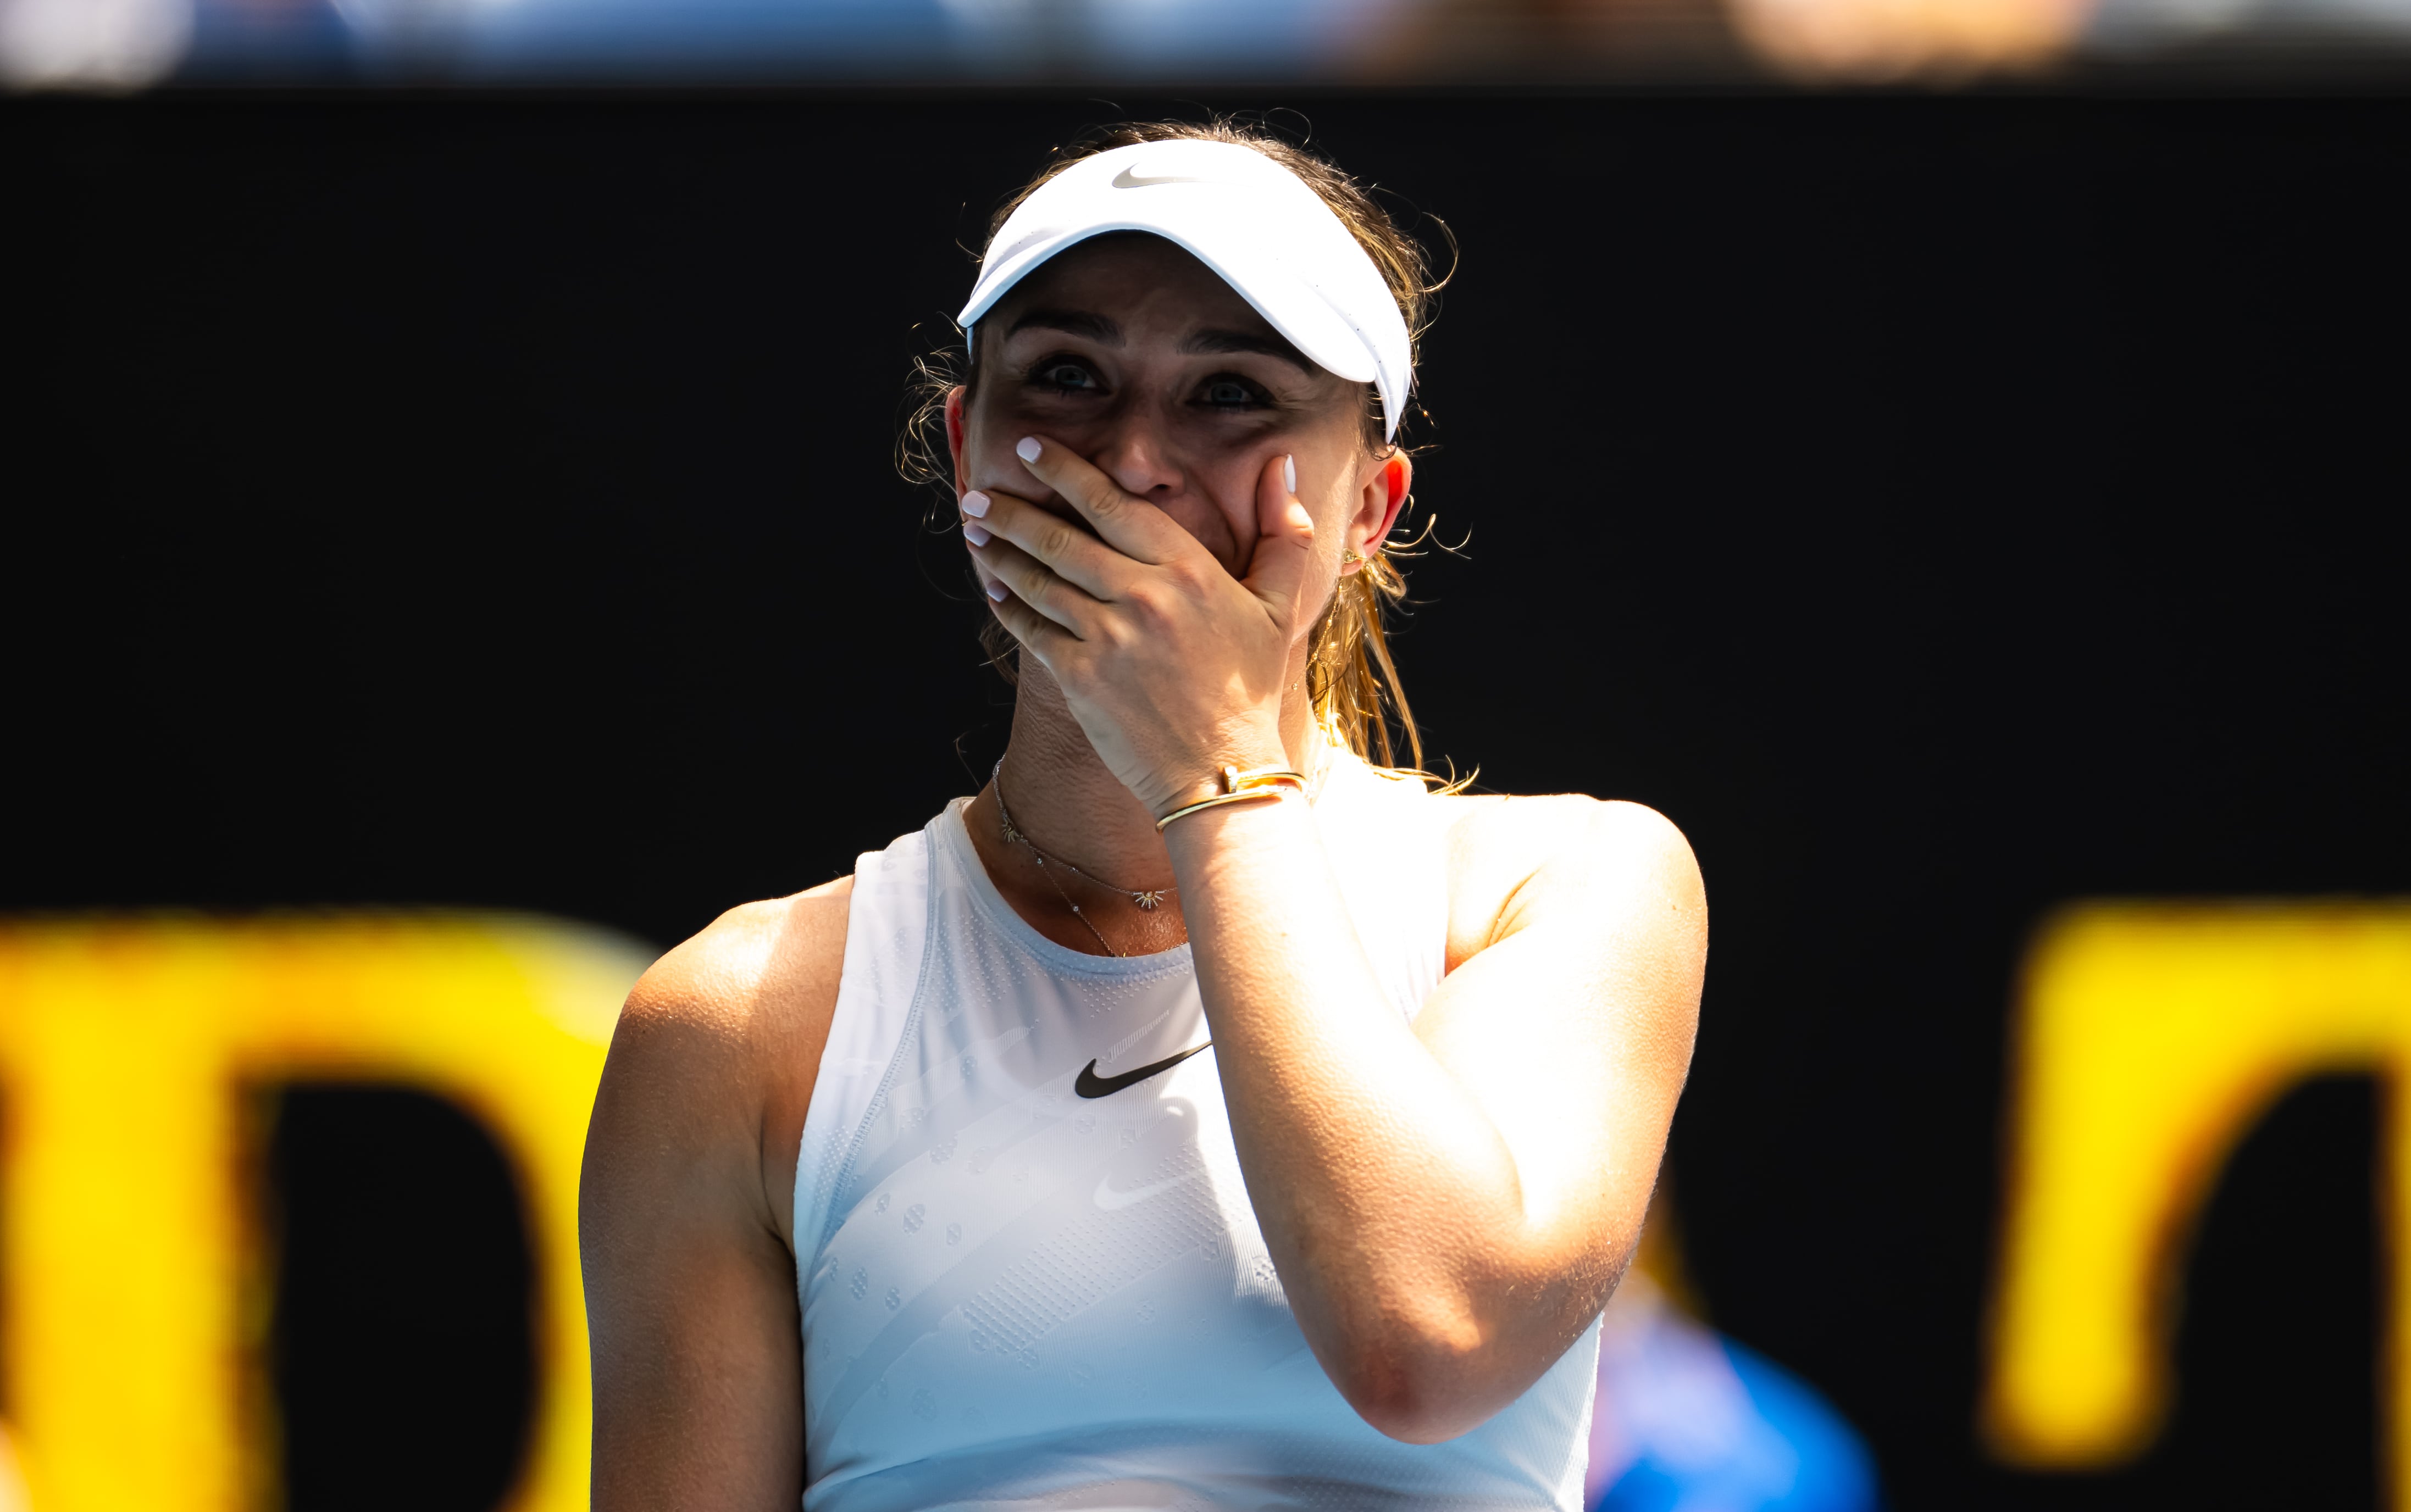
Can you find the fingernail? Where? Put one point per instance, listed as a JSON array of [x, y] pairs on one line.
[[976, 534], [1289, 472], [1028, 448], [996, 590], [975, 504]]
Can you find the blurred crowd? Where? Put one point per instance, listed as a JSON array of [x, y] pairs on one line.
[[122, 44]]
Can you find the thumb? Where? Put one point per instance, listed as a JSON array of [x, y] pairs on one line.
[[1284, 541]]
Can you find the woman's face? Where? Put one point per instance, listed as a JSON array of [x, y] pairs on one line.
[[1136, 356]]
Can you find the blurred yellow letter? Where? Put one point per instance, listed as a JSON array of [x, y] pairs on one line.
[[123, 1046], [2149, 1040]]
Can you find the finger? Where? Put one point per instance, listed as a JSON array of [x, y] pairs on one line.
[[1066, 550], [1040, 636], [1284, 541], [1131, 525], [1028, 581]]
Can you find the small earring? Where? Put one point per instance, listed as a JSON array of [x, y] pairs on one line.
[[1347, 556]]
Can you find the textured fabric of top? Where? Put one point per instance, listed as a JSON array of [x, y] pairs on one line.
[[1014, 1297]]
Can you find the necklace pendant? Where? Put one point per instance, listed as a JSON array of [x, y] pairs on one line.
[[1148, 901]]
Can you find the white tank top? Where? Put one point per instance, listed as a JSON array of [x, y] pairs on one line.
[[1017, 1297]]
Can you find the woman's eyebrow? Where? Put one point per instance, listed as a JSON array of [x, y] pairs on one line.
[[1073, 322], [1223, 342]]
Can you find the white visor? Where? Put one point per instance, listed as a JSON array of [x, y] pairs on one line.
[[1245, 216]]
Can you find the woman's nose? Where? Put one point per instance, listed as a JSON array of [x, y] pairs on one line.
[[1134, 456]]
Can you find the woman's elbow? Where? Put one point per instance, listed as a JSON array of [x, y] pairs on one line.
[[1421, 1386]]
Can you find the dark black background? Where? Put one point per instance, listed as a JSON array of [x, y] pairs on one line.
[[1943, 508]]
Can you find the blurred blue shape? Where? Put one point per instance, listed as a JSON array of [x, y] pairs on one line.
[[1689, 1421], [242, 41], [786, 38], [824, 41]]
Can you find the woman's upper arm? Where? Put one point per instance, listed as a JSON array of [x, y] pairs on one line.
[[1570, 1020], [690, 1286]]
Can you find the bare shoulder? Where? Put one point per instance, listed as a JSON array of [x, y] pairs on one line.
[[751, 967], [683, 1227], [1513, 861], [716, 1051]]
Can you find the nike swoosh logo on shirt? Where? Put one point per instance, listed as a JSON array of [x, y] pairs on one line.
[[1092, 1085], [1127, 180], [1109, 1198]]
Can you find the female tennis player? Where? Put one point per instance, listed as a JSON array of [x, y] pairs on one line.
[[1201, 1115]]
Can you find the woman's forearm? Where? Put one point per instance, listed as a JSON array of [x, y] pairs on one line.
[[1389, 1200]]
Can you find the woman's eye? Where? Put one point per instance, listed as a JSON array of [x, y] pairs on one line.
[[1071, 377], [1231, 393]]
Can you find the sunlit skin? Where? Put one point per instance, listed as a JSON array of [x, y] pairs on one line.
[[1450, 1203]]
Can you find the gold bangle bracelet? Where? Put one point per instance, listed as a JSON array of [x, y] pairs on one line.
[[1234, 780], [1250, 795], [1242, 787]]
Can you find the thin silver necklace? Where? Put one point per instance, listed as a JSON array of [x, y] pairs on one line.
[[1149, 899]]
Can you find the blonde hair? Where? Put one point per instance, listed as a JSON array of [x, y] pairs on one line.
[[1350, 675]]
